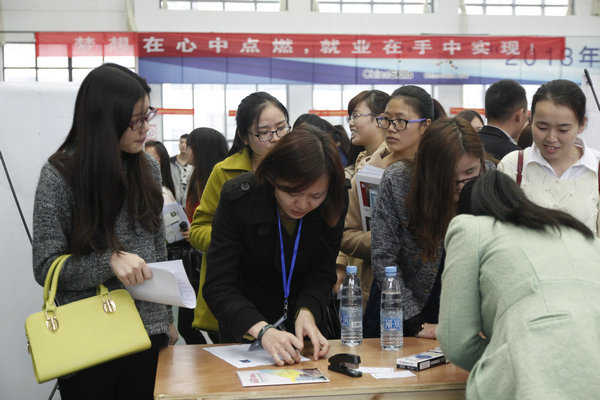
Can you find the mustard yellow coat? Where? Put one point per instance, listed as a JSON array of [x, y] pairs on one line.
[[201, 227]]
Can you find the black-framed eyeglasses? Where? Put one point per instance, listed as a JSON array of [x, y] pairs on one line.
[[467, 179], [464, 181], [399, 124], [138, 123], [268, 135], [352, 117]]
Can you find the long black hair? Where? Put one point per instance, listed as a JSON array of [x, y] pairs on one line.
[[247, 115], [165, 164], [496, 195], [94, 167], [209, 146]]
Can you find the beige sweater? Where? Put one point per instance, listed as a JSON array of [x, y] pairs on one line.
[[356, 242], [579, 197]]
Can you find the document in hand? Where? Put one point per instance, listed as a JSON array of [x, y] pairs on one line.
[[367, 186], [169, 285], [173, 215]]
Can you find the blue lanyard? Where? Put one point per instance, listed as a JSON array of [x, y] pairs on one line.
[[287, 280]]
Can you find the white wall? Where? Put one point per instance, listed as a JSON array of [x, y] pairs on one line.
[[35, 120]]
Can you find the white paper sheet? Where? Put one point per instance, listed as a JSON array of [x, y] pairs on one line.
[[393, 374], [239, 356], [375, 370], [169, 285]]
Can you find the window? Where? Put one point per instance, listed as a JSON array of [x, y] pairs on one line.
[[223, 5], [213, 105], [516, 7], [22, 65], [376, 6]]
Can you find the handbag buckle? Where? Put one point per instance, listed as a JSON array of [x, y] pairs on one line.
[[51, 322], [108, 304]]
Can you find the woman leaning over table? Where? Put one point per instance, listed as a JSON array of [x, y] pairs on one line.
[[415, 204], [520, 303], [274, 241], [261, 121], [99, 199], [559, 171]]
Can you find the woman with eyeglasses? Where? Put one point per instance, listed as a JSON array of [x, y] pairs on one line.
[[261, 122], [362, 110], [408, 102], [99, 199], [275, 236], [415, 204]]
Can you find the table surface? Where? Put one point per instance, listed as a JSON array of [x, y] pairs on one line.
[[190, 372]]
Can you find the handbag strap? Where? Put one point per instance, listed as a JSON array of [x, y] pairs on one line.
[[51, 279], [52, 283]]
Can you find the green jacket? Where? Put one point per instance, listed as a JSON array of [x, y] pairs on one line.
[[535, 295], [201, 228]]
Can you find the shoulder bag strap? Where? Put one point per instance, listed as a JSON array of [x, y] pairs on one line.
[[520, 168]]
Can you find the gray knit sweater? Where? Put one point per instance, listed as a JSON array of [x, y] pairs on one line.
[[392, 244], [82, 273]]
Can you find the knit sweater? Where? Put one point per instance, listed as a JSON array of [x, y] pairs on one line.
[[393, 244], [578, 197], [82, 273]]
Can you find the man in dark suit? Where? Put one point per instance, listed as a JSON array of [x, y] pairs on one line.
[[506, 113]]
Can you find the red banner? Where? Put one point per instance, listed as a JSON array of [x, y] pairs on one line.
[[157, 44], [82, 44]]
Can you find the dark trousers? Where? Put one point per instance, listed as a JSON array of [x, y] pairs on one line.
[[130, 377], [190, 334]]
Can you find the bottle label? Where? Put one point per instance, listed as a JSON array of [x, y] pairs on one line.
[[392, 324], [345, 320]]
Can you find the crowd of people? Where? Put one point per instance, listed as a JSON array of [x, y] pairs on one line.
[[494, 244]]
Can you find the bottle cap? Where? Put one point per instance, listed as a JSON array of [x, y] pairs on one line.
[[351, 269], [390, 271]]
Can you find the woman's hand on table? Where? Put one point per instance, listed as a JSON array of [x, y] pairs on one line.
[[306, 326], [283, 346]]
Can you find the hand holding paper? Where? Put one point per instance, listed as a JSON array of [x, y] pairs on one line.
[[169, 285]]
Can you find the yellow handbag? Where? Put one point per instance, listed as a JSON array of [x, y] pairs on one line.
[[84, 333]]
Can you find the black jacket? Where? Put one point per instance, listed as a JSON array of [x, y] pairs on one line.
[[244, 279], [495, 142]]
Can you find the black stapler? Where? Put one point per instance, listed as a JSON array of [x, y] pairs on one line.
[[346, 364]]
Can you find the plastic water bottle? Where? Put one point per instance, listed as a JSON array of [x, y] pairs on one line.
[[391, 312], [351, 308]]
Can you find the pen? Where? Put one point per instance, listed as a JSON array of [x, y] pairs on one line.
[[255, 345]]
